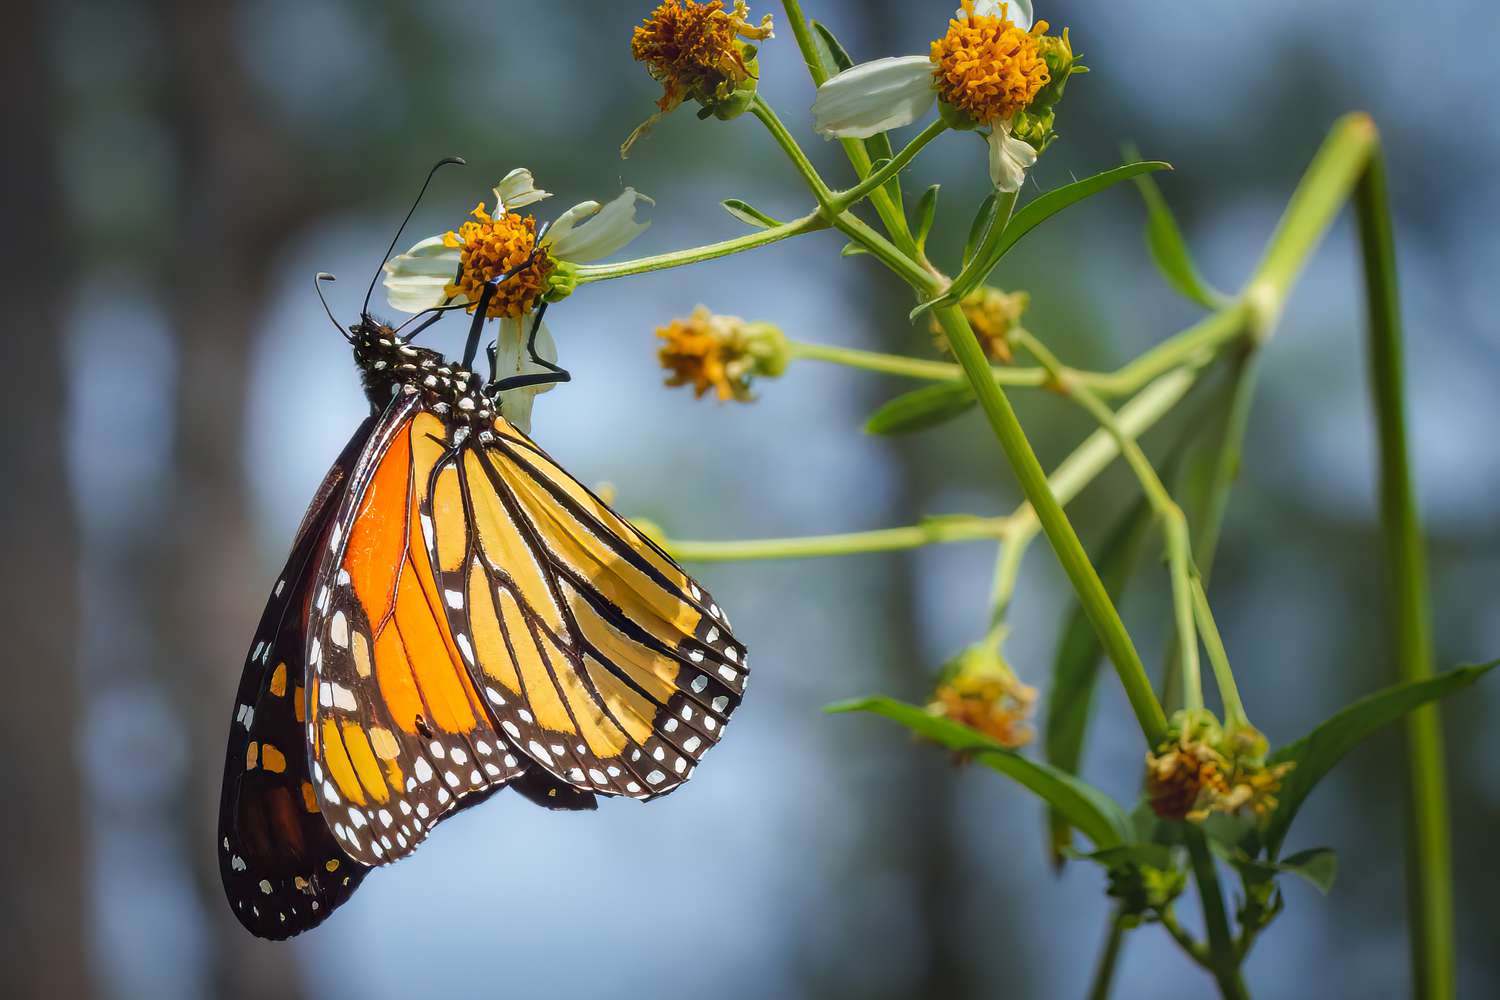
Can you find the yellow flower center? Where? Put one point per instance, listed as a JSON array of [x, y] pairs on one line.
[[490, 247], [693, 49], [1185, 781], [987, 67], [707, 352]]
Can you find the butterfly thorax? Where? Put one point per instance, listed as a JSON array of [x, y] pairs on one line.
[[387, 366]]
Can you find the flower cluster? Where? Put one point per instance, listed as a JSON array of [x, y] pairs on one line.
[[978, 689], [720, 353], [992, 69], [453, 268], [1204, 769], [699, 52]]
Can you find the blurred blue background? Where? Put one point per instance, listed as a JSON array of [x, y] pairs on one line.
[[185, 167]]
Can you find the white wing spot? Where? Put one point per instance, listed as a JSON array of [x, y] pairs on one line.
[[656, 777], [338, 630], [494, 696], [512, 728], [696, 655], [459, 757], [451, 779], [386, 819], [720, 703], [713, 635], [464, 647], [540, 752], [437, 750], [727, 673], [597, 775], [699, 683], [731, 654], [710, 723], [482, 747], [670, 726], [423, 769], [526, 716], [455, 598], [691, 745]]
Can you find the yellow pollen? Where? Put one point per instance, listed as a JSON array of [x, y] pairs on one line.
[[706, 352], [987, 67], [693, 49], [490, 247]]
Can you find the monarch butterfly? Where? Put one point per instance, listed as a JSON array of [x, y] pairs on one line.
[[457, 615]]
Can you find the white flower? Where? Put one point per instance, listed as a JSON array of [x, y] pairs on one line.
[[431, 273], [883, 94]]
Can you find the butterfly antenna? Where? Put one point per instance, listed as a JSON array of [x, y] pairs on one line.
[[321, 277], [410, 212]]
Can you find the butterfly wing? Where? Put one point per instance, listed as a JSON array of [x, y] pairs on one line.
[[399, 734], [282, 870], [598, 657]]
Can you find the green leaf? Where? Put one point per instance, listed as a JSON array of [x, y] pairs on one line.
[[1318, 865], [1315, 754], [926, 213], [1095, 814], [980, 227], [852, 249], [1039, 210], [1076, 665], [749, 214], [1170, 252], [831, 53], [922, 408]]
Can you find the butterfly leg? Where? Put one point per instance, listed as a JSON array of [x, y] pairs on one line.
[[471, 348], [551, 375]]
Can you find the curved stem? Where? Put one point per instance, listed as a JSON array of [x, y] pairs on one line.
[[1234, 708], [588, 273], [768, 117], [958, 528], [844, 199]]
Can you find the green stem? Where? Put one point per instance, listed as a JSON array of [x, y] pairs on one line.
[[896, 364], [902, 263], [760, 109], [1194, 949], [1104, 974], [1218, 658], [844, 199], [1215, 503], [856, 151], [812, 222], [1430, 876], [1113, 635], [957, 528], [1223, 956]]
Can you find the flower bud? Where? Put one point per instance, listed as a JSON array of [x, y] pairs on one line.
[[978, 689]]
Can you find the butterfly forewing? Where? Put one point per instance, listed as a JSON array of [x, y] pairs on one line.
[[398, 732], [282, 870]]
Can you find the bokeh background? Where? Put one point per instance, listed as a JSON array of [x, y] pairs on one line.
[[179, 169]]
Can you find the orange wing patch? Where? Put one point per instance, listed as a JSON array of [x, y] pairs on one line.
[[400, 735]]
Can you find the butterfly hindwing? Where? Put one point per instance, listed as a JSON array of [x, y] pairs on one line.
[[399, 734], [282, 870], [598, 657]]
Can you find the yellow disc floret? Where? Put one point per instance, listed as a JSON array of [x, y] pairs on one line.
[[694, 51], [490, 247], [986, 67], [706, 351]]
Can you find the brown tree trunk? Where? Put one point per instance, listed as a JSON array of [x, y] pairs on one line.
[[43, 913], [242, 199]]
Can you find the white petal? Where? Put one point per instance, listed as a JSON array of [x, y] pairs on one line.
[[415, 279], [1019, 11], [1009, 158], [517, 190], [588, 232], [873, 97], [512, 358]]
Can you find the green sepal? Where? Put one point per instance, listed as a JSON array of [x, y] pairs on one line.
[[749, 214]]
